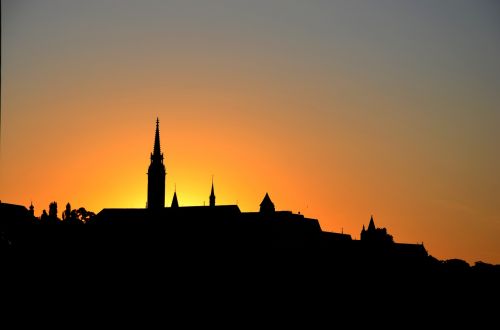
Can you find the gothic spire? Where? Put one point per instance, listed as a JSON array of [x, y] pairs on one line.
[[157, 155], [156, 175], [175, 203], [212, 194], [371, 225]]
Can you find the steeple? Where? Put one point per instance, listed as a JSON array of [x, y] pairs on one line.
[[267, 205], [371, 225], [157, 155], [175, 203], [212, 194], [156, 175]]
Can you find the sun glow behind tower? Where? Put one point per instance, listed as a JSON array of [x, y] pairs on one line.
[[338, 109]]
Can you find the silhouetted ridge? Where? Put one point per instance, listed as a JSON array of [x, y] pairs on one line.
[[223, 233]]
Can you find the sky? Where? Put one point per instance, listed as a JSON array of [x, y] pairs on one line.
[[338, 109]]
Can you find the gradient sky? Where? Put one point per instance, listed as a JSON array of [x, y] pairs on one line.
[[338, 109]]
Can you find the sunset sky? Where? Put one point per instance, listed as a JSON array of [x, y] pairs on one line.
[[337, 109]]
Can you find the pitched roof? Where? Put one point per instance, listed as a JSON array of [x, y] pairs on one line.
[[371, 226], [175, 203], [266, 201]]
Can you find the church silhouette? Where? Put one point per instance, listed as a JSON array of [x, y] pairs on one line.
[[226, 227], [212, 226], [198, 228], [217, 240], [220, 253]]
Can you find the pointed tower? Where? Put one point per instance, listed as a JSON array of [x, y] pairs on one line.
[[32, 210], [212, 194], [175, 203], [267, 206], [371, 225], [156, 175]]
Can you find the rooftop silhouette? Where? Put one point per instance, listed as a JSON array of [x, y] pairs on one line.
[[220, 229]]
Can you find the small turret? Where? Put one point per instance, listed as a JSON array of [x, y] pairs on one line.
[[175, 203], [32, 210], [371, 225], [267, 206], [212, 194]]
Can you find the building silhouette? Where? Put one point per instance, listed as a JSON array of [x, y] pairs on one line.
[[212, 194], [200, 228], [267, 206], [156, 175], [209, 246], [175, 202], [375, 235]]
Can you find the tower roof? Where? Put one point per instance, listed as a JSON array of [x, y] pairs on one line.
[[156, 148], [175, 203], [212, 192], [266, 204], [371, 225]]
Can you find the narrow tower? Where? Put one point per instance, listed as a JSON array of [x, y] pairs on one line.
[[156, 175], [371, 225], [175, 202], [212, 195], [32, 210]]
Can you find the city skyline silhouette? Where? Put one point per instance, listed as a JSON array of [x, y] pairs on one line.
[[158, 228], [338, 110]]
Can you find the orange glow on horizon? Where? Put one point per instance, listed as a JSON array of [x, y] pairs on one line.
[[335, 113]]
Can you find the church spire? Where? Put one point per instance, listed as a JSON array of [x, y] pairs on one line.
[[212, 194], [156, 175], [371, 225], [175, 202], [157, 155]]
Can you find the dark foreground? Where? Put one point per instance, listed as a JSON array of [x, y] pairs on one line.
[[250, 270]]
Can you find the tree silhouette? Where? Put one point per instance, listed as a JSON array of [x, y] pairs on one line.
[[83, 215], [76, 216]]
